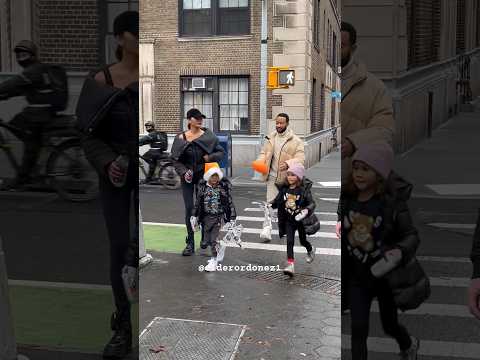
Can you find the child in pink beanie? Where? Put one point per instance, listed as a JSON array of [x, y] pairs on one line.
[[296, 213]]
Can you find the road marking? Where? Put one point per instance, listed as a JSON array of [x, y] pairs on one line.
[[261, 219], [436, 349], [283, 248], [329, 235], [444, 259], [436, 310], [455, 189], [58, 285], [453, 226], [450, 282], [330, 184], [316, 213], [329, 199]]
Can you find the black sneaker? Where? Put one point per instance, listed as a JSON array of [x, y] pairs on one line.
[[188, 251], [203, 244], [120, 345], [411, 354]]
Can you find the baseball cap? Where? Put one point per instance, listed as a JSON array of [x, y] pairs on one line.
[[195, 113]]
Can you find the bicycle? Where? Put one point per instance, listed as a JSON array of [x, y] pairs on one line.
[[66, 169], [164, 174]]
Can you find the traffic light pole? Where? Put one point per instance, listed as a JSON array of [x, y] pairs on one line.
[[8, 346], [263, 77]]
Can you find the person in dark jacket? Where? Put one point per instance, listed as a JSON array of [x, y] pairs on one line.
[[107, 115], [376, 225], [158, 142], [474, 291], [36, 84], [295, 205], [190, 151], [213, 207]]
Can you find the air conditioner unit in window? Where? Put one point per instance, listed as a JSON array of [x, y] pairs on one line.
[[199, 83]]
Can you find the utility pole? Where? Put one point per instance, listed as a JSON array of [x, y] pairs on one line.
[[263, 77], [8, 346]]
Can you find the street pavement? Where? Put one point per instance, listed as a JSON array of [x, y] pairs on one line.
[[445, 173], [284, 319]]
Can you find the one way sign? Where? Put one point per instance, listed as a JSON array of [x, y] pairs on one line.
[[286, 77]]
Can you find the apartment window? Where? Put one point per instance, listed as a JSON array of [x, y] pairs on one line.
[[324, 28], [316, 23], [461, 17], [111, 9], [214, 17], [334, 52], [322, 108], [313, 108], [223, 100]]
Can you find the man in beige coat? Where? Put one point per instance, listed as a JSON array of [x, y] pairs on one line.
[[366, 108], [280, 146]]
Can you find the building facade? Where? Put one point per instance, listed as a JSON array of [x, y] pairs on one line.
[[207, 54], [428, 54]]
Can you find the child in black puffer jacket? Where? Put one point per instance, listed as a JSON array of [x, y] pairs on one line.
[[296, 213]]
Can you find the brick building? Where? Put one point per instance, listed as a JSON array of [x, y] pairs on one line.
[[207, 54], [428, 54]]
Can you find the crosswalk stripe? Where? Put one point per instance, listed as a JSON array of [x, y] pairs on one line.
[[450, 282], [444, 259], [58, 285], [330, 184], [329, 199], [436, 310], [316, 213], [437, 349], [329, 235], [453, 226], [283, 248], [261, 219], [455, 189]]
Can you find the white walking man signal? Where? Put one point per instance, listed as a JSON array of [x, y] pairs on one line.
[[290, 78]]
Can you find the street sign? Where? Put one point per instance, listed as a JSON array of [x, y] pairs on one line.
[[286, 77]]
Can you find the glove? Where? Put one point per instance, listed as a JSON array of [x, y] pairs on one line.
[[302, 215], [188, 176], [194, 223]]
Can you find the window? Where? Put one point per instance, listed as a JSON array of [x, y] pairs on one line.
[[316, 24], [224, 101], [214, 17], [113, 8], [313, 108], [334, 52]]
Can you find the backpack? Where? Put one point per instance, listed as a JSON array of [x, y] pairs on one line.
[[58, 83]]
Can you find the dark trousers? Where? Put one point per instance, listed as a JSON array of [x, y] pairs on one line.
[[120, 207], [291, 226], [360, 301], [189, 193], [33, 121], [211, 230]]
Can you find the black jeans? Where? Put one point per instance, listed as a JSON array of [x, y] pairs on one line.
[[211, 230], [360, 301], [120, 207], [291, 226], [189, 192]]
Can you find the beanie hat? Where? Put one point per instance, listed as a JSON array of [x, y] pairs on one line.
[[296, 168], [210, 169], [126, 21], [378, 156]]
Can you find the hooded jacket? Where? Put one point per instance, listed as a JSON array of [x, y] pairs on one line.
[[306, 202], [226, 201], [367, 112], [408, 281], [207, 144]]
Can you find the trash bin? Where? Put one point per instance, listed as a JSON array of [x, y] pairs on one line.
[[225, 140]]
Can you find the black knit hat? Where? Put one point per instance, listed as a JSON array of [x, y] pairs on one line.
[[126, 21]]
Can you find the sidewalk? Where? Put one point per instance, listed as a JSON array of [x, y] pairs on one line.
[[328, 169]]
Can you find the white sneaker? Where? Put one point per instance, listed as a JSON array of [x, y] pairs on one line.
[[289, 269], [311, 255], [211, 266]]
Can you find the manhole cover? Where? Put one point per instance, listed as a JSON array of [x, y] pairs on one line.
[[327, 285], [177, 339]]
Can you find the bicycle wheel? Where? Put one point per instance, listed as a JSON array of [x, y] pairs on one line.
[[70, 173], [168, 177]]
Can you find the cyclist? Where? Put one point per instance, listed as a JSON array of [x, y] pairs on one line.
[[46, 90], [158, 141]]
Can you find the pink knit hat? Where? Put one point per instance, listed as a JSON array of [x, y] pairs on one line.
[[296, 168], [378, 156]]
